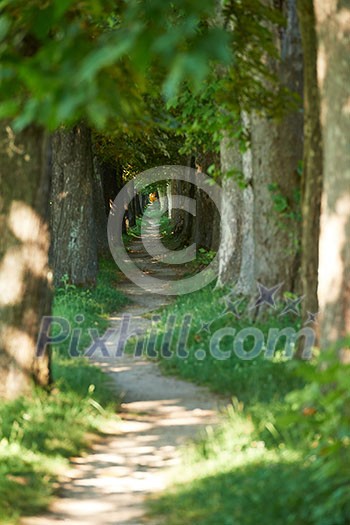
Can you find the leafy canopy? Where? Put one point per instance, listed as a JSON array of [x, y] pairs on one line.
[[63, 60]]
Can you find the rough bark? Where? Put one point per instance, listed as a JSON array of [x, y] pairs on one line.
[[100, 210], [112, 181], [182, 221], [333, 31], [163, 197], [276, 153], [312, 163], [130, 206], [169, 193], [246, 284], [25, 291], [74, 245], [269, 237], [206, 226], [230, 251]]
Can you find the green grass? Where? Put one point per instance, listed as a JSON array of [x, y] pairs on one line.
[[40, 433], [282, 452], [253, 493], [232, 477], [280, 466], [253, 380]]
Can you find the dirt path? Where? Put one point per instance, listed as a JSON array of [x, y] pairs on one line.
[[109, 484]]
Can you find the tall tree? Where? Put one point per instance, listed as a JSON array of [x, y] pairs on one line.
[[99, 210], [276, 153], [206, 226], [333, 31], [269, 203], [74, 243], [25, 292], [182, 221], [230, 250], [311, 187]]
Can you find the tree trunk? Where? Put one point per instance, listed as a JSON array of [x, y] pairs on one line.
[[74, 247], [266, 209], [100, 211], [182, 221], [138, 205], [206, 226], [111, 179], [276, 153], [312, 164], [230, 251], [333, 31], [25, 291], [163, 198], [246, 284], [206, 223], [112, 183], [169, 193]]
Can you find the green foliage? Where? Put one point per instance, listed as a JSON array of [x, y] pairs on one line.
[[239, 496], [238, 177], [205, 256], [320, 412], [226, 475], [249, 82], [63, 61], [196, 117], [143, 143]]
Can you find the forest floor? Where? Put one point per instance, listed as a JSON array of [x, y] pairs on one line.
[[136, 458]]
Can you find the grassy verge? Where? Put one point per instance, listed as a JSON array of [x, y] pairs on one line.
[[250, 380], [282, 452], [231, 478], [40, 433]]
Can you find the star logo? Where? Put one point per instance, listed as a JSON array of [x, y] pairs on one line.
[[312, 318], [292, 305], [266, 295], [232, 307], [205, 327]]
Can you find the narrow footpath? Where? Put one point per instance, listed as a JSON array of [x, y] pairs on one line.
[[110, 483]]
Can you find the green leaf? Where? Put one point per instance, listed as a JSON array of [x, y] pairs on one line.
[[8, 108], [102, 57], [5, 25], [27, 116]]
